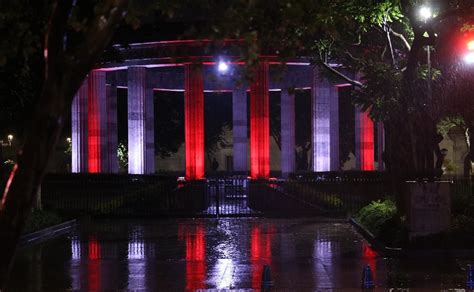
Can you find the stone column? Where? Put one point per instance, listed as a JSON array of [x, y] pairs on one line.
[[239, 128], [287, 132], [380, 145], [112, 128], [141, 146], [325, 124], [260, 124], [194, 121], [79, 130], [364, 146], [99, 157]]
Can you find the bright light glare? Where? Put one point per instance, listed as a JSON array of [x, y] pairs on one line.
[[222, 67], [425, 13], [469, 58], [10, 137], [470, 45]]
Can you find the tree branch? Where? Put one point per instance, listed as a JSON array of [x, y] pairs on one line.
[[342, 75], [402, 37]]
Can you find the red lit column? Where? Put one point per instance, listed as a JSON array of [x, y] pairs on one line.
[[141, 145], [97, 125], [79, 130], [364, 131], [194, 121], [260, 124]]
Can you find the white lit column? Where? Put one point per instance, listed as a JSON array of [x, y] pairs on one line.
[[287, 132], [112, 127], [79, 130], [239, 128], [141, 146], [325, 124], [380, 145]]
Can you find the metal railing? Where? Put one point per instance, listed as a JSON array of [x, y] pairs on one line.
[[111, 195], [338, 192]]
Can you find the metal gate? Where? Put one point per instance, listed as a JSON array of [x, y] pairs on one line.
[[229, 196]]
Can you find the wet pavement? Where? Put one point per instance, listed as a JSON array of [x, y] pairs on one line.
[[200, 254]]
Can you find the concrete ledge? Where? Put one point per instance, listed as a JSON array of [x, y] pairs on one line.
[[47, 233], [398, 252]]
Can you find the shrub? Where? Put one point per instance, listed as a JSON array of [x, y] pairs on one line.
[[376, 214]]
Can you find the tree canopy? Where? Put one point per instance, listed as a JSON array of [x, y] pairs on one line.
[[382, 42]]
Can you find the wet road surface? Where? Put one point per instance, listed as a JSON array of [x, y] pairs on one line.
[[200, 254]]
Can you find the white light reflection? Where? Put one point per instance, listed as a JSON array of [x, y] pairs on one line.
[[75, 265], [75, 249], [224, 270], [136, 260], [323, 262], [136, 250]]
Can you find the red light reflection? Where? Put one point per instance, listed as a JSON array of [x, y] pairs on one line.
[[93, 266], [195, 244], [369, 255], [260, 253]]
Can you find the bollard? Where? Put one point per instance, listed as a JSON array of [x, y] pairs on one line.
[[470, 277], [267, 282], [367, 278]]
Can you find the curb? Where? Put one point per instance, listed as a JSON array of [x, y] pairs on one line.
[[47, 233], [398, 252]]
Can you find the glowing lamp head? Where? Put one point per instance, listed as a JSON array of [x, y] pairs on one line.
[[425, 13], [10, 137], [470, 45], [222, 67], [469, 58]]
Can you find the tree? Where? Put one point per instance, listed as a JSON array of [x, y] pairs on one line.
[[381, 41], [68, 57]]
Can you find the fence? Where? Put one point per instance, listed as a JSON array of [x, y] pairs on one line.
[[338, 192], [314, 194], [121, 195]]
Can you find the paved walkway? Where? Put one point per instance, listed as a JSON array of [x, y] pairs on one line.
[[226, 254]]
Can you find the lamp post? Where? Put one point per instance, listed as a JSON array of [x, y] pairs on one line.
[[426, 14]]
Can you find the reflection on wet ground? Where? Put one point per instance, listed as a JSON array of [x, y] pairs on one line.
[[188, 255]]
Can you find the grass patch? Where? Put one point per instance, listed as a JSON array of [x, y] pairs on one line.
[[40, 219]]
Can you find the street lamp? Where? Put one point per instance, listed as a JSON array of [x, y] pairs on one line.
[[469, 57], [425, 13], [10, 139], [222, 67]]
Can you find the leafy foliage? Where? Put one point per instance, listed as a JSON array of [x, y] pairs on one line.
[[122, 155]]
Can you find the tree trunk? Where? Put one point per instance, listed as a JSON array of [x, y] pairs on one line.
[[65, 71], [25, 179], [469, 159]]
